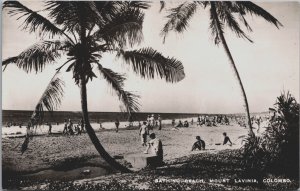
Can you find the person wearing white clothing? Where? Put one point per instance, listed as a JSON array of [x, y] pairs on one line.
[[143, 133], [155, 147]]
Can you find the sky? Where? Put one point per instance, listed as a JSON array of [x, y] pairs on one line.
[[267, 67]]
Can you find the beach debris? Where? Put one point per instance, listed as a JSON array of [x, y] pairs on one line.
[[86, 172]]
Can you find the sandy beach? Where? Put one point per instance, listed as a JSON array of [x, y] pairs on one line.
[[56, 162], [57, 152]]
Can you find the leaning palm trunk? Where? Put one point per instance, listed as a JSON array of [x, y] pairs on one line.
[[90, 131], [225, 46]]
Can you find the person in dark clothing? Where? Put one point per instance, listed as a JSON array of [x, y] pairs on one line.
[[77, 129], [226, 121], [179, 124], [173, 122], [65, 131], [81, 125], [198, 121], [186, 123], [226, 139], [70, 127], [117, 123], [199, 144], [50, 127], [159, 122]]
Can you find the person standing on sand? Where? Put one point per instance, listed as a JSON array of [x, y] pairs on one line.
[[148, 119], [28, 131], [65, 126], [156, 148], [78, 129], [82, 124], [159, 122], [173, 122], [143, 132], [130, 120], [226, 139], [258, 121], [226, 120], [50, 127], [117, 123], [70, 127], [152, 121], [199, 121]]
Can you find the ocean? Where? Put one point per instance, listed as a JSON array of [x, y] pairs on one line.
[[23, 116]]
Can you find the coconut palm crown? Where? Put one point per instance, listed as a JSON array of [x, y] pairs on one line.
[[222, 14], [84, 31]]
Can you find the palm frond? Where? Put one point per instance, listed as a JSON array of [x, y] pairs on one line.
[[63, 13], [147, 63], [122, 28], [214, 23], [254, 9], [234, 8], [139, 4], [33, 21], [116, 80], [99, 17], [108, 8], [162, 5], [9, 61], [38, 56], [225, 13], [178, 18], [71, 14], [242, 18], [50, 99]]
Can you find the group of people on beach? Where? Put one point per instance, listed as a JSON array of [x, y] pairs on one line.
[[200, 144], [212, 120], [12, 123], [73, 129], [69, 127], [154, 122], [203, 120], [155, 144], [256, 120], [151, 121], [180, 124]]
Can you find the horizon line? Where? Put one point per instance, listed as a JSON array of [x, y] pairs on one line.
[[143, 112]]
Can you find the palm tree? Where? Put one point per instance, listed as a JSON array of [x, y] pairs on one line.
[[84, 31], [221, 14]]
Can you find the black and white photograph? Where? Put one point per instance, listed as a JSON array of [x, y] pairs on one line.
[[150, 95]]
